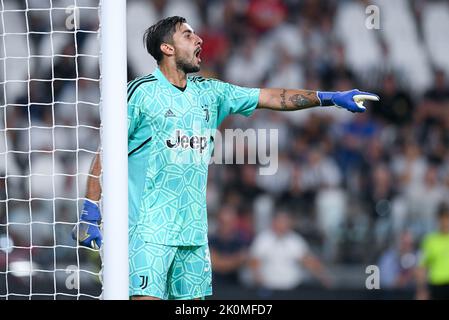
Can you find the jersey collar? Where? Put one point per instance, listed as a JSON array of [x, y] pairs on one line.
[[160, 76]]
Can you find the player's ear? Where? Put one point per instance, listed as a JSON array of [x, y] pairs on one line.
[[167, 49]]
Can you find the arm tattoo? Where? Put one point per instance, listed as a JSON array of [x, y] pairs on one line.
[[302, 100], [287, 99], [283, 103]]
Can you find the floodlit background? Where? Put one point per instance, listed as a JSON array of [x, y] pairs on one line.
[[358, 190]]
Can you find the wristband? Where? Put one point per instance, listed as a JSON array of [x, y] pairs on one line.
[[325, 98]]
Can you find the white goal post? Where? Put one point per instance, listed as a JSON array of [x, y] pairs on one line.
[[115, 148], [63, 74]]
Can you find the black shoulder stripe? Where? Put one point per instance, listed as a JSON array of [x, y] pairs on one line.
[[140, 146], [134, 82], [198, 79], [136, 85]]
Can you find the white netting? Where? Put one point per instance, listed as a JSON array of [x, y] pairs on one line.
[[49, 134]]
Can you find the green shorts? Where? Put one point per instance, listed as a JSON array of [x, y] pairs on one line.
[[169, 272]]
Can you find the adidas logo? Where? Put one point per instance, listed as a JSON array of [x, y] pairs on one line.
[[169, 113]]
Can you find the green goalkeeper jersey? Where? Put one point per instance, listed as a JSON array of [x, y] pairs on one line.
[[170, 143]]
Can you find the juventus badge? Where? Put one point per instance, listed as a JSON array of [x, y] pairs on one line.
[[144, 283], [206, 111]]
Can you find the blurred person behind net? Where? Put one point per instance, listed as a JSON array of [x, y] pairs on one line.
[[228, 248], [432, 275], [280, 257]]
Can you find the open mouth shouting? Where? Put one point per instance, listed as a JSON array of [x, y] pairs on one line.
[[197, 54]]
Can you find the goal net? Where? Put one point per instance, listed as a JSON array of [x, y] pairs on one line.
[[49, 134]]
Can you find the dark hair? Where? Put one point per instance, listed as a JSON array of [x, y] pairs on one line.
[[159, 33], [443, 211], [282, 211]]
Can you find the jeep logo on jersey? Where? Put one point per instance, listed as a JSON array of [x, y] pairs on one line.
[[184, 141]]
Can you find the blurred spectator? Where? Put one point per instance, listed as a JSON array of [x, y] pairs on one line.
[[278, 183], [355, 134], [397, 264], [280, 257], [433, 109], [228, 249], [334, 68], [248, 65], [265, 15], [248, 178], [287, 72], [439, 93], [423, 200], [320, 172], [396, 106], [380, 189], [331, 209], [434, 264], [409, 167]]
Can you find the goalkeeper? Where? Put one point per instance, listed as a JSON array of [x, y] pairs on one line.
[[171, 122]]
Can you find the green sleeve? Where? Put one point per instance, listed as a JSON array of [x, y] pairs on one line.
[[235, 99]]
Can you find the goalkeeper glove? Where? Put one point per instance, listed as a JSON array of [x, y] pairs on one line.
[[350, 100], [88, 233]]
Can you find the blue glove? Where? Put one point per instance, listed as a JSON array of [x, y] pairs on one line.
[[350, 100], [88, 231]]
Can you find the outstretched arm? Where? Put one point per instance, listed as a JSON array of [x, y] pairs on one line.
[[287, 100], [291, 100]]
